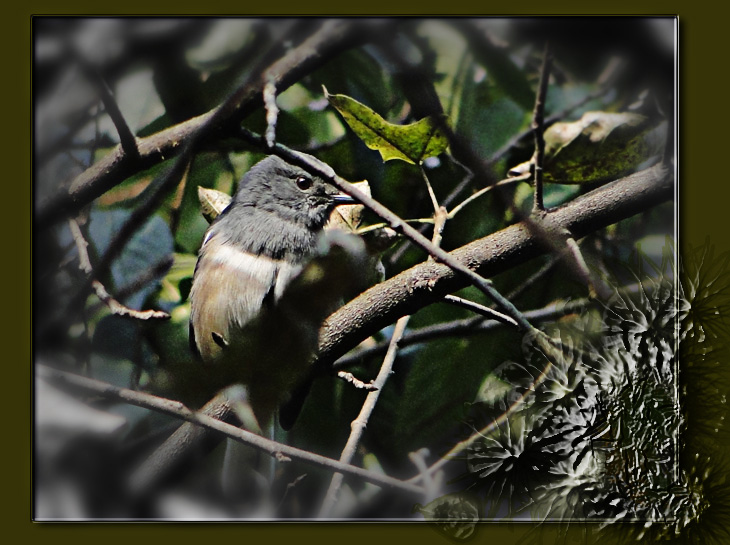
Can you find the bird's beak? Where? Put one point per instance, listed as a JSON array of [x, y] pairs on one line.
[[342, 198]]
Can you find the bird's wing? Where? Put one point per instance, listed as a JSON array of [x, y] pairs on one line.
[[230, 288]]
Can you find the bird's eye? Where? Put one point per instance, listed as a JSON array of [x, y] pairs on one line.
[[303, 182]]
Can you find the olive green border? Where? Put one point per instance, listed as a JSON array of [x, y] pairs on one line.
[[703, 193]]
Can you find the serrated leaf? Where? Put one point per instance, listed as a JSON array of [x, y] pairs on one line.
[[600, 146], [411, 143]]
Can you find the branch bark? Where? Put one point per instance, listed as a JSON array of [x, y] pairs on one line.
[[428, 282], [333, 37], [207, 420]]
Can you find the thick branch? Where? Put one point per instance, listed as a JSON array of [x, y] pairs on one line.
[[331, 39], [428, 282], [394, 222]]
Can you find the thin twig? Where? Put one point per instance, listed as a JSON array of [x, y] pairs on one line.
[[596, 287], [461, 328], [431, 194], [538, 117], [501, 183], [439, 223], [114, 306], [480, 309], [533, 278], [356, 382], [126, 136], [358, 425], [431, 483], [179, 410]]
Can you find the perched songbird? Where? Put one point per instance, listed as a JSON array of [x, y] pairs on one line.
[[249, 321]]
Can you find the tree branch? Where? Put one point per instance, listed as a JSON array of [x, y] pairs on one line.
[[428, 282], [538, 116], [126, 137], [461, 328], [358, 425], [331, 39], [114, 306], [479, 309], [394, 222], [178, 410]]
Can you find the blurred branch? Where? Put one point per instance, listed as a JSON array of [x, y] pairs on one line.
[[181, 447], [178, 410], [145, 277], [332, 37], [114, 306], [126, 137], [139, 215]]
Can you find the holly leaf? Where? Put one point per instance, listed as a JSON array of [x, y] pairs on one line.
[[600, 146], [411, 143]]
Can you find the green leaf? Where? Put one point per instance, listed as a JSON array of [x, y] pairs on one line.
[[600, 146], [411, 143]]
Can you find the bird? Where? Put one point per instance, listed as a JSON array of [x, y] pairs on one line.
[[254, 319]]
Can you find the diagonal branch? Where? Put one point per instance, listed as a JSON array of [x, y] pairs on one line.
[[358, 425], [114, 306], [178, 410], [333, 37], [395, 223], [126, 137], [428, 282], [460, 328]]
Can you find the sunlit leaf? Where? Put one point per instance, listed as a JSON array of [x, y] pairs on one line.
[[411, 143], [600, 146], [212, 202], [349, 216]]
